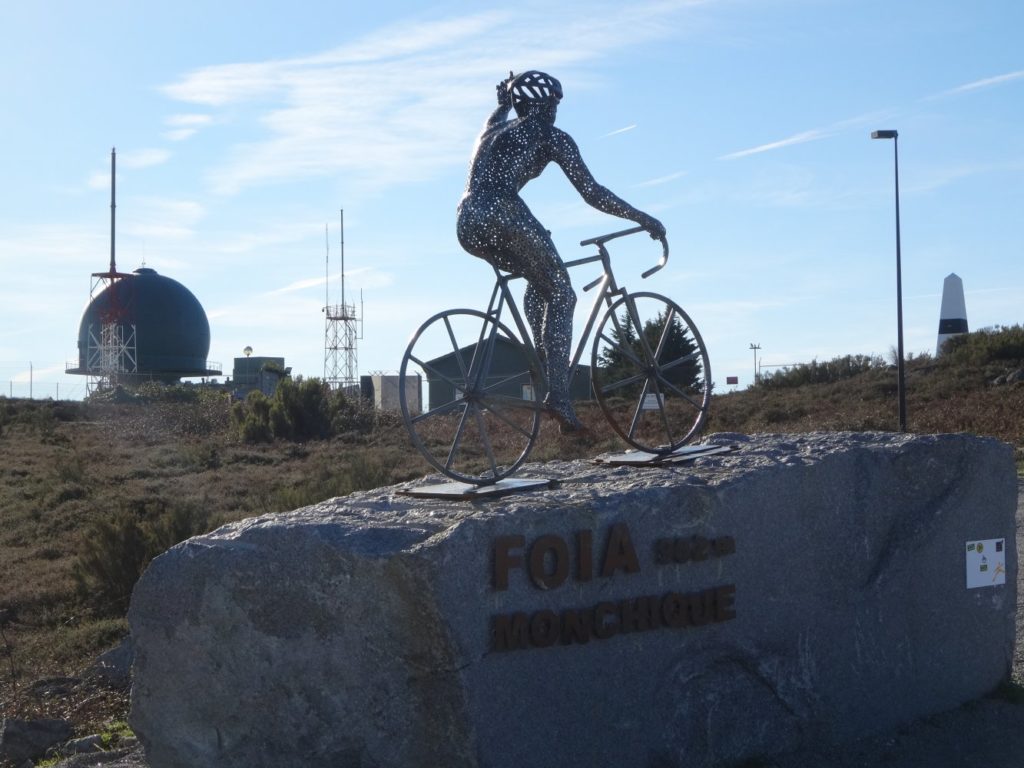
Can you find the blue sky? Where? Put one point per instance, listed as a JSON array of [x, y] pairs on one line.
[[242, 128]]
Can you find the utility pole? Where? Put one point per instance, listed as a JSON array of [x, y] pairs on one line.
[[755, 347]]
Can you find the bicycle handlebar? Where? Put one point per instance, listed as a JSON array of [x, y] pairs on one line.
[[602, 239]]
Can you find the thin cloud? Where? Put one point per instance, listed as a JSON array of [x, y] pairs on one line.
[[189, 120], [620, 130], [814, 134], [143, 158], [99, 180], [161, 218], [977, 85], [402, 104], [934, 178], [661, 180], [799, 138], [298, 285], [185, 126]]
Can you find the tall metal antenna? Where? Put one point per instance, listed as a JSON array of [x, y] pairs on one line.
[[331, 339], [341, 332], [111, 275], [111, 346], [341, 220], [113, 205]]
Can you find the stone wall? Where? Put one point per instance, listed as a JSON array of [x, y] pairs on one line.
[[804, 587]]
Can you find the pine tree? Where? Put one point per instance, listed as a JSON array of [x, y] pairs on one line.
[[678, 345], [617, 359]]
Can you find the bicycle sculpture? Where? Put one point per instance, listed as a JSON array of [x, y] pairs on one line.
[[488, 384]]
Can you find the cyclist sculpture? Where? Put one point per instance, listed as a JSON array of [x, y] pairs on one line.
[[495, 224]]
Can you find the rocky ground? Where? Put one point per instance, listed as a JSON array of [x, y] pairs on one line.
[[989, 732]]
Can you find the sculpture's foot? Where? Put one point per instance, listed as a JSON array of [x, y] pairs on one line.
[[562, 412], [542, 357]]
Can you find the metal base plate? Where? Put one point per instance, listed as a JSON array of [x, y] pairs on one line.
[[467, 491], [679, 456]]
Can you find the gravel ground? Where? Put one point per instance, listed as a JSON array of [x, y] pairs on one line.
[[987, 733]]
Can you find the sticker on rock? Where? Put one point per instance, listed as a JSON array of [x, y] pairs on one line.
[[986, 563]]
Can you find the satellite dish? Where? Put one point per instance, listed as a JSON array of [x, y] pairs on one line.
[[247, 351]]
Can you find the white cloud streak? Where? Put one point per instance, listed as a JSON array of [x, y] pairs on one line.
[[977, 85], [161, 218], [189, 120], [620, 130], [143, 158], [402, 103], [298, 285], [661, 180], [185, 126], [180, 134], [799, 138]]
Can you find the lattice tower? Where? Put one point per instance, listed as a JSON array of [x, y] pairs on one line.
[[342, 330]]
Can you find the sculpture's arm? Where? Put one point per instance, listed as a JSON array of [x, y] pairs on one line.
[[569, 159], [500, 113]]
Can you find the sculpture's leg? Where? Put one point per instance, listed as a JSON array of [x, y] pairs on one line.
[[557, 342], [534, 306]]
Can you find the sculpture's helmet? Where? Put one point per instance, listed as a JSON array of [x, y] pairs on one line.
[[534, 88]]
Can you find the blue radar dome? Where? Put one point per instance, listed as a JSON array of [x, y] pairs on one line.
[[166, 322]]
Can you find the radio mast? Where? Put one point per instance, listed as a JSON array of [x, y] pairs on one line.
[[342, 329], [111, 347]]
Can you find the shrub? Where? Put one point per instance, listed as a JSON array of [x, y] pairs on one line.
[[116, 549], [301, 409], [252, 418], [114, 553], [989, 345], [829, 372]]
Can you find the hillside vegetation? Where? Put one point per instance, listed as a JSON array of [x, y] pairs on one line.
[[90, 492]]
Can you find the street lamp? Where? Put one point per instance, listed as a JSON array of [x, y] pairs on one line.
[[900, 387]]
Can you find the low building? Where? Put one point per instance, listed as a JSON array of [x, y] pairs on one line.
[[384, 391], [257, 374], [506, 375]]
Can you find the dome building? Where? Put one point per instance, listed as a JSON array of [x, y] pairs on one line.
[[144, 327]]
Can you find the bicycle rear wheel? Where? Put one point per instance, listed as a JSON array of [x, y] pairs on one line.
[[651, 372], [481, 392]]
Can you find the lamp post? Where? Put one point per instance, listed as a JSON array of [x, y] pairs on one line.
[[900, 388], [755, 347]]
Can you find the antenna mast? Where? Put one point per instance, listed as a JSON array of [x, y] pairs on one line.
[[111, 347], [113, 205], [341, 332]]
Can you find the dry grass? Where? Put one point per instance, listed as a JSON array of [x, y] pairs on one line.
[[940, 398]]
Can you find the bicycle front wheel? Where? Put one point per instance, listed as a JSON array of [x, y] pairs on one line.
[[479, 406], [651, 372]]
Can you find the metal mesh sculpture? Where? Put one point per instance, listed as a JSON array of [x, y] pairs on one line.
[[495, 224]]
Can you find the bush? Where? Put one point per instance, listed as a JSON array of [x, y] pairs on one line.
[[252, 417], [829, 372], [989, 345], [301, 409], [114, 554], [116, 549]]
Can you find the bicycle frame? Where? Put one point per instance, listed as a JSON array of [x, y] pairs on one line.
[[608, 292]]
